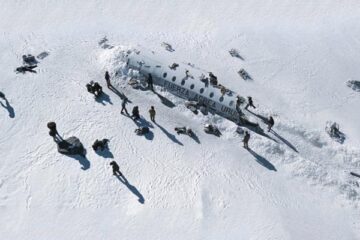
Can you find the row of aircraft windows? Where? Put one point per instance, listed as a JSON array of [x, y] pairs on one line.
[[192, 86]]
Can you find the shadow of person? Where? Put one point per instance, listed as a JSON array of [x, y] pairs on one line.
[[142, 122], [261, 160], [165, 101], [105, 153], [284, 141], [259, 131], [103, 98], [117, 92], [84, 162], [149, 135], [195, 137], [169, 135], [9, 108], [263, 118], [133, 189]]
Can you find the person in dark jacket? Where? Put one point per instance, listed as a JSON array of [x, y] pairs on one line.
[[123, 105], [107, 79], [53, 132], [213, 79], [246, 139], [271, 123], [102, 144], [150, 82], [152, 113], [135, 113], [250, 103], [115, 168]]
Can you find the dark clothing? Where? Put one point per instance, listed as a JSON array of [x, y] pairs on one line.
[[94, 88], [107, 78], [135, 113], [213, 79], [150, 82], [152, 113], [2, 95], [123, 106], [271, 123], [115, 168], [100, 144], [250, 103], [246, 140], [53, 131]]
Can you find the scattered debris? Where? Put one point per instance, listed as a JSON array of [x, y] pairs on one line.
[[24, 69], [244, 75], [71, 146], [355, 174], [103, 43], [354, 85], [142, 131], [167, 47], [235, 53], [42, 55], [174, 66], [212, 129], [184, 130], [333, 129], [29, 60]]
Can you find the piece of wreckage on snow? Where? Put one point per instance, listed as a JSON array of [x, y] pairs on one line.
[[187, 82]]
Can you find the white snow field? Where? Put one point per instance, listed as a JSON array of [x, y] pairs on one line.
[[294, 184]]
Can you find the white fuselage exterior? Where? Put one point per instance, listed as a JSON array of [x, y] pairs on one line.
[[189, 88]]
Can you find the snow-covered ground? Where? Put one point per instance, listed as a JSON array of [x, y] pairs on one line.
[[293, 185]]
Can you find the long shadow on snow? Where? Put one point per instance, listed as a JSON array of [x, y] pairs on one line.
[[259, 131], [195, 137], [133, 189], [85, 163], [105, 153], [284, 141], [169, 135], [103, 98], [9, 108], [262, 161], [165, 101], [117, 92], [264, 119]]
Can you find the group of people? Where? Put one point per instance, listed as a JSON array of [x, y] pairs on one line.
[[270, 122]]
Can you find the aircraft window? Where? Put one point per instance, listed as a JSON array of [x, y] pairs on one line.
[[221, 99], [201, 90], [192, 86], [164, 75], [231, 103], [173, 78], [211, 94], [183, 82]]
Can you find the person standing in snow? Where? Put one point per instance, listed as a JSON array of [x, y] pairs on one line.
[[107, 79], [250, 103], [115, 168], [135, 113], [123, 105], [271, 123], [246, 139], [150, 82], [53, 131], [152, 113]]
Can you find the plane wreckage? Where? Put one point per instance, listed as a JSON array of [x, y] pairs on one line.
[[200, 88]]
